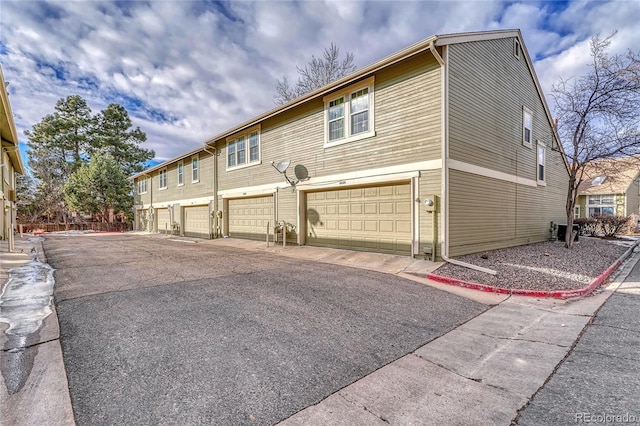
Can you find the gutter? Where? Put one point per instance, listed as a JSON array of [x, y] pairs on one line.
[[445, 167]]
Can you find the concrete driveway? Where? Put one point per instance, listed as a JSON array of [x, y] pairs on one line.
[[156, 331]]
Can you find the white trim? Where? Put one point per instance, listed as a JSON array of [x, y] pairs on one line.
[[251, 191], [517, 48], [166, 179], [543, 181], [483, 171], [183, 203], [395, 177]]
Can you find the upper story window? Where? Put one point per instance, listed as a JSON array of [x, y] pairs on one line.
[[541, 163], [349, 114], [180, 173], [598, 180], [142, 186], [516, 48], [162, 179], [527, 127], [195, 169], [244, 150]]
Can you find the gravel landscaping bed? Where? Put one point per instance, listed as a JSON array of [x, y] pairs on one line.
[[541, 266]]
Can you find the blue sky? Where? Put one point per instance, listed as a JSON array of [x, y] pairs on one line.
[[188, 70]]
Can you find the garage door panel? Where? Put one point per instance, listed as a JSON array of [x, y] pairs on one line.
[[369, 219], [164, 223], [196, 221], [248, 217]]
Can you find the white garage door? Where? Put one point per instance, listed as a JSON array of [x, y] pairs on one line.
[[248, 217], [196, 221], [374, 219], [164, 224]]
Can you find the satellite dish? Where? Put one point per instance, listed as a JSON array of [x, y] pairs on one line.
[[301, 172], [282, 165]]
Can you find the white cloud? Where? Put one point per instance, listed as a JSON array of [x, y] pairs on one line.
[[190, 70]]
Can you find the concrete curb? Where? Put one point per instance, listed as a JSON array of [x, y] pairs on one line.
[[558, 294]]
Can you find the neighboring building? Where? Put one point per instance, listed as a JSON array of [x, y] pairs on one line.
[[10, 164], [441, 149], [610, 187]]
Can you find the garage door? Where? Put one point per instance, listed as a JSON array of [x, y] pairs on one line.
[[248, 217], [164, 224], [196, 221], [374, 219]]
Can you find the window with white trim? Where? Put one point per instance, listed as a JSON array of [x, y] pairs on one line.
[[349, 114], [576, 212], [516, 48], [601, 205], [180, 173], [541, 163], [243, 150], [142, 186], [162, 179], [527, 127], [195, 169]]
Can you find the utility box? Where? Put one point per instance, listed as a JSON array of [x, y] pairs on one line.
[[562, 232]]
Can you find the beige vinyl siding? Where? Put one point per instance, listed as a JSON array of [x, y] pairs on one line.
[[141, 220], [620, 205], [288, 211], [407, 120], [203, 188], [488, 88], [429, 188], [633, 199]]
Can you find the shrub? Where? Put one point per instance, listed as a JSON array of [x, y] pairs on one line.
[[587, 225], [612, 225]]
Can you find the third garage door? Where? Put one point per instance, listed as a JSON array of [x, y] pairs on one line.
[[196, 221], [376, 218], [248, 217]]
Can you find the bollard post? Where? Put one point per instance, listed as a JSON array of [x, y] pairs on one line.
[[267, 234], [284, 234]]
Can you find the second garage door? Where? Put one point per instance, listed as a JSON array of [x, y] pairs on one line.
[[196, 221], [374, 219], [248, 217], [164, 224]]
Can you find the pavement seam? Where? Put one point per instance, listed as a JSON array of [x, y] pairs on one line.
[[606, 355], [515, 339], [364, 407], [32, 345], [595, 324]]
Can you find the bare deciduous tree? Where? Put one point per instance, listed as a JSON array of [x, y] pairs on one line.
[[598, 115], [317, 73]]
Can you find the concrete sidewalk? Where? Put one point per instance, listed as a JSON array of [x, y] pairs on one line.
[[34, 389], [482, 372]]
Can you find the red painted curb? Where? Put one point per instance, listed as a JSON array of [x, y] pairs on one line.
[[559, 294]]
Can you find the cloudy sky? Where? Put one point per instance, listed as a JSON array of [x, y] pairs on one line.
[[189, 70]]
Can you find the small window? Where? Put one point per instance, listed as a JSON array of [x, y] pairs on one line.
[[516, 48], [162, 179], [142, 186], [527, 127], [541, 163], [180, 173], [599, 180], [195, 169], [243, 150], [576, 212], [336, 119]]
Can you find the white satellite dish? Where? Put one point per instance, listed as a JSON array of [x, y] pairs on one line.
[[282, 166]]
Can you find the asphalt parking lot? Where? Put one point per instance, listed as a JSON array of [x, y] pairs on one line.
[[156, 331]]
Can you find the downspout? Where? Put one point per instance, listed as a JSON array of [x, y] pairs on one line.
[[216, 219], [444, 113]]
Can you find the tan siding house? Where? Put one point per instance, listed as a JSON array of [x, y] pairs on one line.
[[610, 187], [10, 165], [441, 149]]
